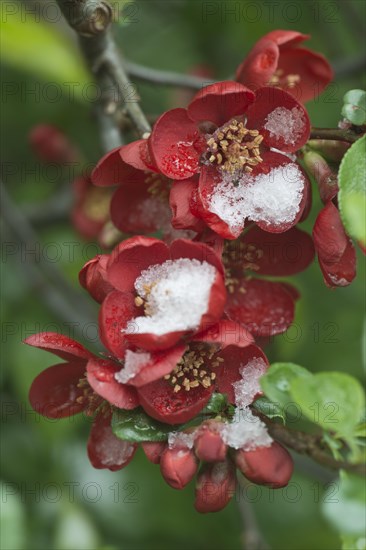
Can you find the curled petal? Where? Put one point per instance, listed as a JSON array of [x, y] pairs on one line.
[[265, 308], [93, 277], [117, 309], [54, 393], [259, 65], [105, 450], [173, 144], [60, 345], [158, 365], [215, 486], [225, 333], [111, 170], [137, 155], [220, 102], [101, 377], [179, 199], [280, 118], [286, 38]]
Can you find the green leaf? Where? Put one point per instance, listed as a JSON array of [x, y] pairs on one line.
[[217, 403], [12, 517], [276, 383], [354, 108], [333, 400], [137, 426], [344, 506], [37, 48], [269, 409], [350, 542], [352, 190]]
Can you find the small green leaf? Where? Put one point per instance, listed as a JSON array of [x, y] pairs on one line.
[[344, 506], [217, 403], [352, 190], [269, 409], [276, 383], [137, 426], [333, 400], [354, 108]]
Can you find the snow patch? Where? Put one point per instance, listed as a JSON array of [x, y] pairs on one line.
[[133, 364], [286, 124], [245, 431], [273, 198], [248, 387], [176, 294], [181, 440]]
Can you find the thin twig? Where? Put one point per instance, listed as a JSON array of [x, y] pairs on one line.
[[334, 134], [166, 78], [252, 537]]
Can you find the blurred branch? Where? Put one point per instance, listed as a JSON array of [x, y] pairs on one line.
[[349, 66], [310, 445], [166, 78], [251, 536], [91, 19], [334, 134], [53, 210]]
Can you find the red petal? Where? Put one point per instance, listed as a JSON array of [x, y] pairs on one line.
[[225, 333], [137, 154], [259, 65], [135, 210], [105, 450], [154, 342], [234, 359], [313, 68], [220, 102], [111, 170], [100, 374], [180, 197], [60, 345], [267, 100], [336, 254], [153, 451], [286, 38], [131, 257], [160, 402], [55, 391], [264, 308], [276, 254], [208, 445], [183, 248], [172, 144], [215, 486], [117, 309], [160, 363], [93, 275]]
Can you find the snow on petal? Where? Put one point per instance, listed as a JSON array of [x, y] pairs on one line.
[[175, 295], [248, 387], [134, 361], [181, 440], [287, 124], [273, 198], [245, 431]]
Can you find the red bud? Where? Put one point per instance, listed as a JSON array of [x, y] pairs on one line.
[[215, 486], [153, 451], [271, 466], [209, 445], [92, 277], [51, 145], [178, 467]]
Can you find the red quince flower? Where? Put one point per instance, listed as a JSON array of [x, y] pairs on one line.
[[221, 150], [265, 308], [277, 60], [336, 253], [140, 204], [91, 208], [63, 390], [50, 144]]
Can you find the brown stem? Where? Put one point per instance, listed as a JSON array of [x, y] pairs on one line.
[[334, 134], [310, 445], [252, 537]]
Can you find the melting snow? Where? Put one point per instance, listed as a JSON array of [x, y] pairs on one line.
[[176, 293], [181, 439], [246, 389], [287, 124], [273, 198], [133, 363], [246, 431]]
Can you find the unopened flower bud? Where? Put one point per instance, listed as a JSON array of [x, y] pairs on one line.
[[51, 145], [271, 466], [322, 173], [153, 450], [178, 466], [92, 277], [215, 486], [333, 150], [209, 445]]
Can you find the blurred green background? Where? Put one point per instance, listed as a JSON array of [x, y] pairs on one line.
[[51, 496]]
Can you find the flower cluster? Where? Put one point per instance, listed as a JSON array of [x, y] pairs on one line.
[[183, 318]]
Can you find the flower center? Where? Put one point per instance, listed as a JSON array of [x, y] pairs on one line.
[[90, 400], [239, 257], [158, 186], [280, 79], [96, 204], [233, 147], [194, 369]]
